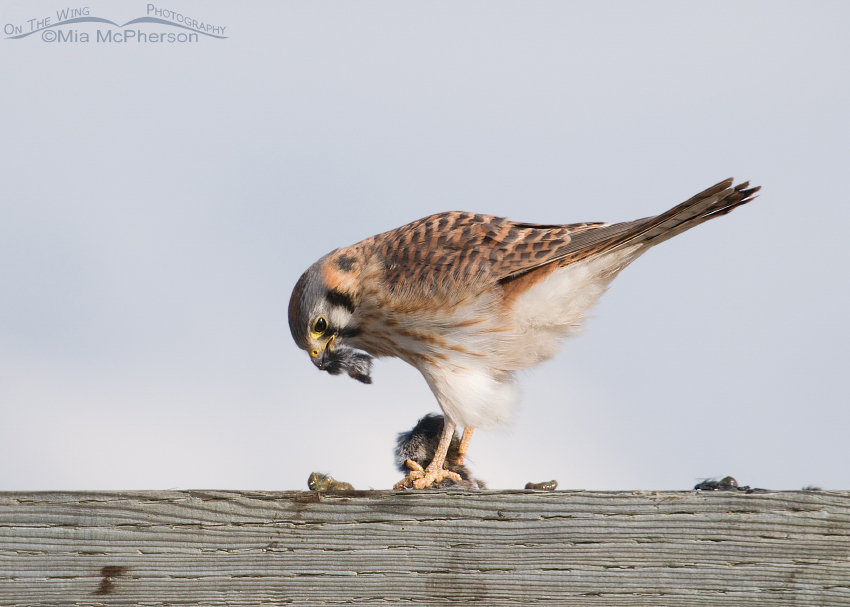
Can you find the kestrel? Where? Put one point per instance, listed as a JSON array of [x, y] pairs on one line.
[[470, 299]]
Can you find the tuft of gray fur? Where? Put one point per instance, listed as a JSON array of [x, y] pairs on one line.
[[357, 364]]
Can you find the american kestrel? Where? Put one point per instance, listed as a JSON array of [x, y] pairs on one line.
[[470, 299]]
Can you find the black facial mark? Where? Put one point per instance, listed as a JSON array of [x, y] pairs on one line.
[[350, 332], [341, 300], [345, 263]]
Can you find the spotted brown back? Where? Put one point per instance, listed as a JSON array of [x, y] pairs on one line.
[[434, 254], [438, 251]]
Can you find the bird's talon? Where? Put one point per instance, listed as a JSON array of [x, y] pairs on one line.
[[415, 467], [419, 478], [408, 481], [435, 476]]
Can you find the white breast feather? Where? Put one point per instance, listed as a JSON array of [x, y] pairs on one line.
[[557, 307], [471, 396], [480, 391]]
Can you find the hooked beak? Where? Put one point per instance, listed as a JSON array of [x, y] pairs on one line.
[[319, 355]]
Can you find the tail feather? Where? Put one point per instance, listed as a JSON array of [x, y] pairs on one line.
[[713, 202]]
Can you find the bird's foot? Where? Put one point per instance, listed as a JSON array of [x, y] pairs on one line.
[[416, 472], [437, 475], [419, 478]]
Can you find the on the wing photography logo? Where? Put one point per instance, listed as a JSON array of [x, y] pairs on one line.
[[78, 25]]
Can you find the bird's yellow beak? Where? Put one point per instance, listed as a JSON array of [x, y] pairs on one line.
[[316, 352]]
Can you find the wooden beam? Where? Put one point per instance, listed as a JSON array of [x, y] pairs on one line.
[[376, 547]]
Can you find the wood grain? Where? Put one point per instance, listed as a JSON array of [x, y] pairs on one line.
[[425, 548]]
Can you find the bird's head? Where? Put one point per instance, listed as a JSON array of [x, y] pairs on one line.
[[323, 320]]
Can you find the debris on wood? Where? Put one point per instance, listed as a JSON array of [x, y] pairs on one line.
[[544, 486], [324, 482], [727, 483]]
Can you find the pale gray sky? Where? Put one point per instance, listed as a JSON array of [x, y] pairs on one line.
[[159, 201]]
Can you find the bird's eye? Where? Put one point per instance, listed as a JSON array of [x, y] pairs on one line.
[[320, 326]]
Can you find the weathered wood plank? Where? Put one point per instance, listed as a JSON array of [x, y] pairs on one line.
[[489, 548]]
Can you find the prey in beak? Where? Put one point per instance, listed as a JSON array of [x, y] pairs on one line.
[[338, 358]]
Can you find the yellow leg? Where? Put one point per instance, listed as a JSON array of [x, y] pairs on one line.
[[464, 444]]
